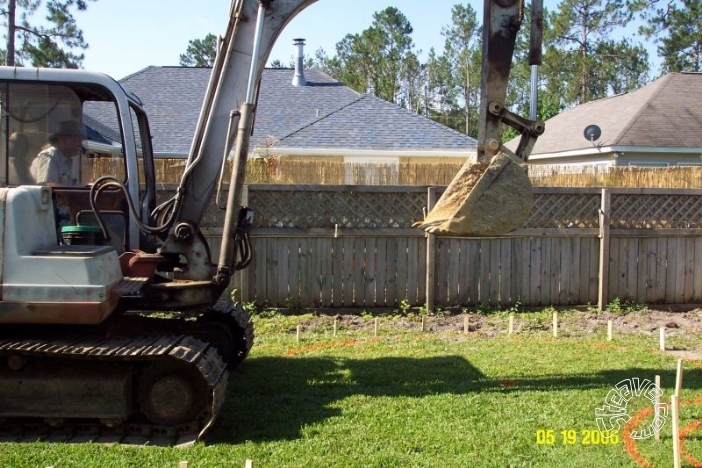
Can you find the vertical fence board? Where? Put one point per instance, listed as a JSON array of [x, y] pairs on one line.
[[535, 285], [349, 273], [672, 267], [325, 252], [658, 290], [260, 270], [402, 285], [293, 287], [644, 269], [555, 270], [526, 272], [688, 284], [380, 270], [370, 272], [441, 280], [421, 271], [414, 259], [613, 270], [454, 271], [494, 266], [505, 269], [697, 272], [272, 272], [594, 270], [282, 274], [632, 268], [583, 264], [624, 262], [516, 270], [337, 274], [309, 267], [391, 265], [620, 276], [359, 260], [567, 264]]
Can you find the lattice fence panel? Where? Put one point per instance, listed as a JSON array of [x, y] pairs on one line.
[[642, 211], [325, 209], [564, 210]]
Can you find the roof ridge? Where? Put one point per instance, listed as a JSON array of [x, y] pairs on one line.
[[138, 72], [664, 80], [307, 125], [429, 120]]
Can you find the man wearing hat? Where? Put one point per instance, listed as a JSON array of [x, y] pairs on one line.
[[54, 165]]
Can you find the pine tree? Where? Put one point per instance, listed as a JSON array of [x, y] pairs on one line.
[[49, 43]]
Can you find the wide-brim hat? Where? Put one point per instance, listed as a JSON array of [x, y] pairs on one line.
[[67, 128]]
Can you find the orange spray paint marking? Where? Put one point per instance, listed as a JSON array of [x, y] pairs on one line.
[[317, 346], [630, 444]]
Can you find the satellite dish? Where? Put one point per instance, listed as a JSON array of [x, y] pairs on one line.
[[592, 133]]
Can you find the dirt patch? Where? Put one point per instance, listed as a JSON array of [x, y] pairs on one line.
[[573, 323]]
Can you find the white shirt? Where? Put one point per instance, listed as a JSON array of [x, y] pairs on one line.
[[52, 166]]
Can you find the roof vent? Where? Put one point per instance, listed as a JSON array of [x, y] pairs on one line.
[[299, 78]]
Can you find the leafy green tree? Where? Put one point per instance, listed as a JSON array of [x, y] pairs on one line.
[[437, 88], [676, 28], [462, 51], [582, 32], [412, 83], [200, 52], [374, 59], [50, 42]]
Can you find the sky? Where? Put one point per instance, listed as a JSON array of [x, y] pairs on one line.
[[125, 36]]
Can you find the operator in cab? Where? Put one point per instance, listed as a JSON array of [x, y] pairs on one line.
[[54, 165]]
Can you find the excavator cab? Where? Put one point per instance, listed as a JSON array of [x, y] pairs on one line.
[[41, 119]]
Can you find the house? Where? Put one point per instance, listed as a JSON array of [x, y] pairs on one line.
[[658, 125], [319, 118]]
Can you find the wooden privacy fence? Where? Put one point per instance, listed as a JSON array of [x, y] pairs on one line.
[[353, 246]]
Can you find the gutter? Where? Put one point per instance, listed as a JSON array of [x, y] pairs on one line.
[[617, 149], [367, 153]]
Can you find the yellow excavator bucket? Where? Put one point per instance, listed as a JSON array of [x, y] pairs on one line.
[[483, 200]]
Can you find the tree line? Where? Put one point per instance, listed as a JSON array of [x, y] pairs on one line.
[[592, 49]]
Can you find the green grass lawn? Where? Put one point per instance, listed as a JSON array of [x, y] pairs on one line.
[[408, 398]]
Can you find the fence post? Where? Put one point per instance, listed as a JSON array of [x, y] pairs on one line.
[[431, 255], [602, 288]]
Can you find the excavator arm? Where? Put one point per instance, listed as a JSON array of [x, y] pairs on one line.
[[493, 196]]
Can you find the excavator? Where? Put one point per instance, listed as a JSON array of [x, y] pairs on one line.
[[115, 321]]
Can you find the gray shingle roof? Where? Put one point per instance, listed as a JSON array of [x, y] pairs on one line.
[[323, 114], [665, 113]]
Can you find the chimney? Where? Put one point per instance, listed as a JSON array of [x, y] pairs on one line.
[[299, 78]]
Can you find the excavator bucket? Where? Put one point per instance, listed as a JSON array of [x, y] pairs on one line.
[[493, 196], [483, 200]]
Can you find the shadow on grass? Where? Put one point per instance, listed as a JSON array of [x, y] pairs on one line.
[[273, 398]]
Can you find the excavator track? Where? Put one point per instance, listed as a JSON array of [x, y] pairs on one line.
[[161, 390]]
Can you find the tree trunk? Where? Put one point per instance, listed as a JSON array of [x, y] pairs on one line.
[[10, 59], [467, 97]]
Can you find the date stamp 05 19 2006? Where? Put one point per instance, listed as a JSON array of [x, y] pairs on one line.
[[576, 437]]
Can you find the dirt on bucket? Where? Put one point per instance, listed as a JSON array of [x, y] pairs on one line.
[[483, 200]]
